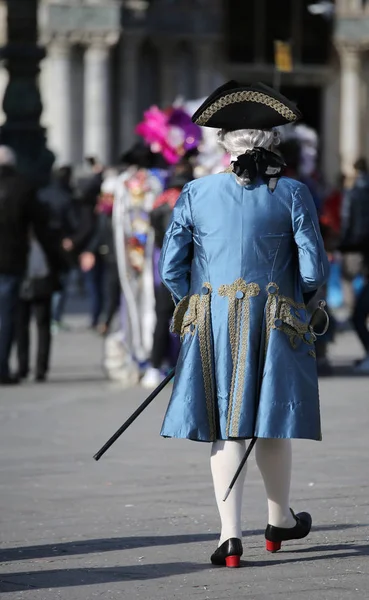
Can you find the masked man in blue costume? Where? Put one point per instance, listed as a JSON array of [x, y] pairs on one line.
[[242, 257]]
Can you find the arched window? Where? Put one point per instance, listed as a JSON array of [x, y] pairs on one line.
[[148, 77]]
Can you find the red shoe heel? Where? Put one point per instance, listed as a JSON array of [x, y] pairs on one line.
[[228, 554], [273, 546], [233, 561]]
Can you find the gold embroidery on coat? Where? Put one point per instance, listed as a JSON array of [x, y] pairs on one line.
[[246, 96], [279, 315], [239, 325], [205, 342], [193, 313], [190, 319], [235, 309], [178, 315], [291, 324], [312, 353]]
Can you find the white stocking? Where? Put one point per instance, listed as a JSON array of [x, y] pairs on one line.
[[226, 456], [274, 459]]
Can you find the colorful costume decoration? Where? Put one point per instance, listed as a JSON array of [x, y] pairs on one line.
[[127, 350], [170, 133]]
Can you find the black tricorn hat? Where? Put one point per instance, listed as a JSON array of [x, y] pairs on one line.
[[235, 105]]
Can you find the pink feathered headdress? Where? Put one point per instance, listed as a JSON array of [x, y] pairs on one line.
[[170, 133]]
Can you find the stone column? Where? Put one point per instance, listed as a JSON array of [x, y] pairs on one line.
[[350, 108], [330, 154], [128, 81], [97, 100], [168, 71], [59, 82]]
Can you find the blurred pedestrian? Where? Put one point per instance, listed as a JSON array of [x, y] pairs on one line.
[[78, 243], [101, 247], [330, 220], [36, 292], [127, 352], [332, 209], [59, 197], [165, 349], [355, 240], [19, 211]]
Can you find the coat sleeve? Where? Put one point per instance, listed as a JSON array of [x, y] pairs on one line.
[[177, 251], [313, 261]]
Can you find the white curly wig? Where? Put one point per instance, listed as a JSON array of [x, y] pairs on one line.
[[242, 140]]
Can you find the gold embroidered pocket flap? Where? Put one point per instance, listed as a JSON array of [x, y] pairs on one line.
[[178, 315], [185, 315], [291, 318]]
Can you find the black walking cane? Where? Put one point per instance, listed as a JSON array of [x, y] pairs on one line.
[[241, 466], [134, 416]]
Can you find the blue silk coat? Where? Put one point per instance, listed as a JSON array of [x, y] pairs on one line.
[[239, 262]]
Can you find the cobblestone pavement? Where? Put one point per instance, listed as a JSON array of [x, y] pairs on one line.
[[142, 522]]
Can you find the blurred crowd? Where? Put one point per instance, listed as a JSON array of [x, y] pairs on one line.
[[107, 228]]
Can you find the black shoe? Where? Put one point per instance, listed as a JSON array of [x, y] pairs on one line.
[[228, 554], [276, 535], [9, 380], [40, 377], [22, 374]]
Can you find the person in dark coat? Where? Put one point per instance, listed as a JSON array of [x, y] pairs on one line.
[[355, 239], [102, 248], [160, 217], [78, 243], [59, 197], [36, 292], [19, 211]]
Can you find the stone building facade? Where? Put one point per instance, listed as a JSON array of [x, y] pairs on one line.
[[108, 60]]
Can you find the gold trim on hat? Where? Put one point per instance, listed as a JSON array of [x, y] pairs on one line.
[[245, 96]]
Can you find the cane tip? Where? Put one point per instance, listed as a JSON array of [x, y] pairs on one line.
[[96, 457], [227, 494]]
